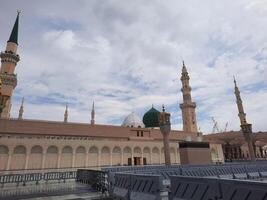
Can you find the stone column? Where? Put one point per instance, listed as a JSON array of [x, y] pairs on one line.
[[110, 162], [122, 158], [86, 159], [27, 160], [142, 158], [9, 161], [176, 156], [151, 161], [73, 160], [58, 160], [43, 160], [132, 159], [98, 159]]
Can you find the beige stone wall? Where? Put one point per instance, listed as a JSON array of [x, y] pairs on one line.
[[44, 152]]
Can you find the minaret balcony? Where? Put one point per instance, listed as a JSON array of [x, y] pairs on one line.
[[188, 105], [9, 56]]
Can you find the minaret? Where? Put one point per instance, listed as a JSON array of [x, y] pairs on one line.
[[241, 113], [21, 109], [9, 59], [66, 114], [245, 127], [93, 114], [188, 107]]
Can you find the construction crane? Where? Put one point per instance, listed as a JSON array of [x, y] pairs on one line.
[[216, 128], [215, 125]]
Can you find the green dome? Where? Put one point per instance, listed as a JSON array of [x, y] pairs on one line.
[[151, 118]]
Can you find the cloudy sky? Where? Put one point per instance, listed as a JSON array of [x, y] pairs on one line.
[[127, 55]]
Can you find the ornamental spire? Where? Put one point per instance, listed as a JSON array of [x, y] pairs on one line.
[[21, 109], [241, 113], [66, 114], [93, 114], [14, 34]]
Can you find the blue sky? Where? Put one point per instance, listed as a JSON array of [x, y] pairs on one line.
[[127, 55]]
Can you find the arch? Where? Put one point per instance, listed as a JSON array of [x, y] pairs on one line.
[[20, 149], [80, 157], [35, 158], [36, 149], [116, 156], [93, 149], [105, 156], [137, 151], [93, 156], [155, 156], [127, 155], [146, 155], [172, 155], [19, 157], [105, 149], [66, 157], [51, 159], [67, 149], [3, 156], [80, 149], [52, 149], [4, 149]]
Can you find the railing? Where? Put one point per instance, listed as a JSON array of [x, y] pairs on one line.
[[189, 182], [96, 179], [36, 177]]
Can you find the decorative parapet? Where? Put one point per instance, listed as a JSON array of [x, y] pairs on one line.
[[9, 79], [9, 56]]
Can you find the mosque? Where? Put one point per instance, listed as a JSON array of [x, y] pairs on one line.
[[39, 144]]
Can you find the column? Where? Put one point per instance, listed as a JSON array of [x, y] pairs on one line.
[[86, 158], [110, 162], [58, 160], [132, 158], [122, 157], [151, 156], [142, 158], [73, 159], [176, 156], [43, 160], [98, 159], [9, 160], [27, 160]]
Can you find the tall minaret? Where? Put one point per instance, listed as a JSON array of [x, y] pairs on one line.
[[188, 107], [66, 114], [9, 59], [241, 113], [93, 114], [245, 127], [21, 109]]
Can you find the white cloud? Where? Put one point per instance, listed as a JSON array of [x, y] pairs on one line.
[[126, 55]]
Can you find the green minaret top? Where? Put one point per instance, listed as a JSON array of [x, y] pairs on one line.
[[14, 34]]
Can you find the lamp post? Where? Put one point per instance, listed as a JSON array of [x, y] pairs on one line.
[[165, 128]]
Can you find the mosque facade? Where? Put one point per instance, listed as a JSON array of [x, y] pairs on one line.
[[40, 144]]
